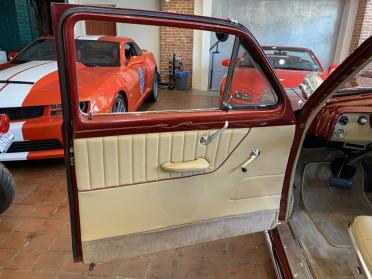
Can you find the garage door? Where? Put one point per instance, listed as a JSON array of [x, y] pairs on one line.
[[313, 24], [95, 27]]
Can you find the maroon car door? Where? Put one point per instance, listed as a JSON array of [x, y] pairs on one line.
[[145, 182]]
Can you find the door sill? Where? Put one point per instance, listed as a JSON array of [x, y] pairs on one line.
[[287, 254]]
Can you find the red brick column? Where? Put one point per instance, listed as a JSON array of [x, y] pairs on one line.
[[363, 24], [175, 40]]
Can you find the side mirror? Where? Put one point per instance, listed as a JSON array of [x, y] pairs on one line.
[[222, 37], [4, 123], [331, 68], [12, 54], [135, 60], [225, 62]]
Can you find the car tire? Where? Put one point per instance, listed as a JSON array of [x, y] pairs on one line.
[[7, 188], [119, 105], [155, 89]]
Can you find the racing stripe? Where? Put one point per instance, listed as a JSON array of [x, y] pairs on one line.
[[89, 37], [13, 94], [12, 71], [16, 129], [36, 73], [13, 156]]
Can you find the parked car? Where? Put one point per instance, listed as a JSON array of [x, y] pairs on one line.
[[145, 182], [291, 64], [114, 75], [7, 183]]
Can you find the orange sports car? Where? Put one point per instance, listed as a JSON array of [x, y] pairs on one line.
[[114, 75]]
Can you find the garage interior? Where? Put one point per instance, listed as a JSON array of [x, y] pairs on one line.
[[35, 239]]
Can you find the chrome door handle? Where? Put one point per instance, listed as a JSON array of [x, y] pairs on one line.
[[206, 139], [254, 154]]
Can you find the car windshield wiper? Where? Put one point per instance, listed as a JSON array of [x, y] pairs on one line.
[[90, 64], [292, 68], [18, 61]]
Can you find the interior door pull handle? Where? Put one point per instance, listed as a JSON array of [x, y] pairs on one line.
[[254, 154], [206, 139], [189, 166]]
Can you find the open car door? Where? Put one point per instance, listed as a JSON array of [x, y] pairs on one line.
[[145, 182]]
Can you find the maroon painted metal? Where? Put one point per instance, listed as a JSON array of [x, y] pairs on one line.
[[324, 124], [281, 261]]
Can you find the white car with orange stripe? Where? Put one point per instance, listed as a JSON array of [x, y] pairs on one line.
[[114, 75]]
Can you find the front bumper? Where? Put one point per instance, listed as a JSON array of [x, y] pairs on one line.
[[41, 135]]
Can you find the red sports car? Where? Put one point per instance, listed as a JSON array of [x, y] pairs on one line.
[[291, 64], [113, 73]]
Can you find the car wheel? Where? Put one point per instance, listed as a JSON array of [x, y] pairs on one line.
[[119, 104], [155, 89], [7, 188]]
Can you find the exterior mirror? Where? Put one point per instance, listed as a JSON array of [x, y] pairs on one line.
[[222, 37], [225, 62], [12, 54], [135, 60], [4, 123], [331, 68]]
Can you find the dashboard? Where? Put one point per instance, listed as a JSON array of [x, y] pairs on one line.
[[353, 128]]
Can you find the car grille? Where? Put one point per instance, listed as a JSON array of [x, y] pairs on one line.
[[25, 146], [20, 113]]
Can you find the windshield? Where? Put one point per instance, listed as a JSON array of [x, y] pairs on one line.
[[91, 53], [291, 59]]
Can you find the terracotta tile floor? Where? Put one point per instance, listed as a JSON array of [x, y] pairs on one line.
[[35, 240]]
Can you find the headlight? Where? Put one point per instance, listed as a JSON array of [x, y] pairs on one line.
[[55, 110], [84, 106]]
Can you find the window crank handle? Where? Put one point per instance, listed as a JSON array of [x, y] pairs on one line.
[[254, 154]]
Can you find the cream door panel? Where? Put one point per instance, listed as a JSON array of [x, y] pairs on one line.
[[131, 159], [258, 186], [223, 192]]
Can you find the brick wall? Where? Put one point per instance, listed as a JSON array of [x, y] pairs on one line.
[[363, 24], [176, 40]]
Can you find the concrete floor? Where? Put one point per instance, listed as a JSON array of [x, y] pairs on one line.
[[35, 233]]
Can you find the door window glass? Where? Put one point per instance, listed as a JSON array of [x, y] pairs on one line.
[[248, 88]]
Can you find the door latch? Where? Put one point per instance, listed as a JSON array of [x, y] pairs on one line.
[[206, 139], [254, 154]]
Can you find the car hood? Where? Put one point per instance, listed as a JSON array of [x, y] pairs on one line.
[[293, 78], [36, 83]]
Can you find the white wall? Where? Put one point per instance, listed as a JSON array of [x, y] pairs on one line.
[[147, 37], [201, 44]]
